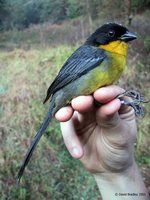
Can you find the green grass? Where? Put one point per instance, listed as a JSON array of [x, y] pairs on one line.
[[52, 173]]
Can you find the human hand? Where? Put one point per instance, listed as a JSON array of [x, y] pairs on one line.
[[101, 137]]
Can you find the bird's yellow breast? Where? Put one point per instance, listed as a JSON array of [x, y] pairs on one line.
[[117, 47], [108, 72]]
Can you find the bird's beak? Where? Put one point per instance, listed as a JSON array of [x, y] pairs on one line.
[[128, 36]]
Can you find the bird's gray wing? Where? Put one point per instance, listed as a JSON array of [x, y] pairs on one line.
[[84, 59]]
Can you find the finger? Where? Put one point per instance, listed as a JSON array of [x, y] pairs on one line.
[[64, 114], [107, 115], [83, 104], [84, 107], [108, 93], [71, 140]]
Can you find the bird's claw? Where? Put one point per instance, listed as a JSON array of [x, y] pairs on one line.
[[135, 102], [133, 95]]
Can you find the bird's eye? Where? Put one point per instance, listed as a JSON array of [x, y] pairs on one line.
[[111, 33]]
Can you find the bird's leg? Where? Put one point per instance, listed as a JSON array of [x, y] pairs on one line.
[[135, 102], [133, 95]]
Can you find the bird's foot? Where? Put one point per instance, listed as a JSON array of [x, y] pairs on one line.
[[136, 100]]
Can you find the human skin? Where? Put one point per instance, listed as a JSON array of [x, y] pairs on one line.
[[103, 139]]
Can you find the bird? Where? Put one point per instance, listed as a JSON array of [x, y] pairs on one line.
[[98, 62]]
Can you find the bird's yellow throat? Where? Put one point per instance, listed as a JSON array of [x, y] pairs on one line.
[[117, 47]]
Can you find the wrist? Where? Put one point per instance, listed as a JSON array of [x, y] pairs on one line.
[[127, 184]]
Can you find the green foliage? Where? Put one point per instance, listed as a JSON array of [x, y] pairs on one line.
[[3, 12], [145, 160], [16, 14], [21, 14], [75, 9], [147, 43], [139, 5], [53, 11]]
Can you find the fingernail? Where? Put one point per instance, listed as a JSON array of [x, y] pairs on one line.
[[75, 152]]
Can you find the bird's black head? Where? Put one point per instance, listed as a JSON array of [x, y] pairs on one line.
[[108, 33]]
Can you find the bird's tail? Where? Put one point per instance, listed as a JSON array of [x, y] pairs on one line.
[[36, 139]]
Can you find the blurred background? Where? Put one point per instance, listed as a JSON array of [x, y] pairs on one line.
[[36, 37]]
